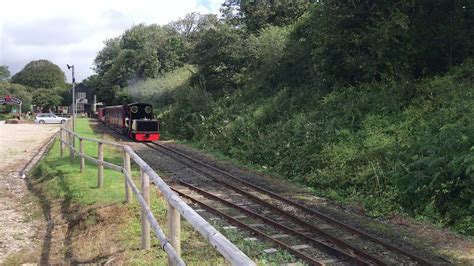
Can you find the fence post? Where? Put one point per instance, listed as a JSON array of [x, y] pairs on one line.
[[71, 142], [71, 150], [81, 152], [128, 168], [61, 139], [100, 166], [174, 230], [145, 187]]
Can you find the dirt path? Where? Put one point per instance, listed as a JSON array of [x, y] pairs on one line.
[[18, 144]]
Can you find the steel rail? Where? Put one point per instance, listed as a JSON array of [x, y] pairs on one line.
[[331, 250], [332, 238], [348, 227], [232, 220]]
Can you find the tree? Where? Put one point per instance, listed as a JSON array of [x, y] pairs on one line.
[[219, 57], [105, 91], [140, 52], [193, 24], [365, 41], [265, 52], [4, 73], [65, 94], [17, 91], [46, 98], [104, 60], [40, 74], [258, 14]]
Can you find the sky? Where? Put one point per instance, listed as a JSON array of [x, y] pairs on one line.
[[73, 32]]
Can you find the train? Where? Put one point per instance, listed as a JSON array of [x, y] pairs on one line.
[[134, 120]]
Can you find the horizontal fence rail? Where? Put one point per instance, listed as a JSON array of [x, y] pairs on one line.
[[176, 206]]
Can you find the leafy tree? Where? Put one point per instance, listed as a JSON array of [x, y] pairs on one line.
[[104, 60], [441, 35], [105, 91], [194, 24], [46, 98], [258, 14], [365, 41], [4, 73], [40, 74], [141, 52], [265, 53], [66, 95], [17, 91], [218, 55]]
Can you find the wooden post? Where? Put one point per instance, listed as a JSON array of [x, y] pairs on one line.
[[146, 196], [81, 151], [174, 229], [71, 151], [71, 142], [61, 138], [128, 168], [100, 167]]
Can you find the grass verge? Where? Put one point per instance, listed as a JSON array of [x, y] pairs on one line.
[[87, 224]]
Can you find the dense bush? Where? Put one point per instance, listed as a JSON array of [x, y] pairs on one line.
[[184, 118], [388, 145]]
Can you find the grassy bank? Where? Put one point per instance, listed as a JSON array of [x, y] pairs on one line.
[[100, 225]]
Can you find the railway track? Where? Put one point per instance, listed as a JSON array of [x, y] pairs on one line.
[[304, 232]]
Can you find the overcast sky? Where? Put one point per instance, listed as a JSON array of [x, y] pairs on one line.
[[72, 32]]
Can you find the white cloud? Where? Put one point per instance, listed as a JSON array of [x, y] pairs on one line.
[[72, 32]]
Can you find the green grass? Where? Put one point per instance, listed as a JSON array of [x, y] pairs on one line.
[[65, 180], [61, 180]]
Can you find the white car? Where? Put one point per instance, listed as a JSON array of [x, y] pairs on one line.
[[49, 119]]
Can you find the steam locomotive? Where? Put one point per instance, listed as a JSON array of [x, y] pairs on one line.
[[133, 120]]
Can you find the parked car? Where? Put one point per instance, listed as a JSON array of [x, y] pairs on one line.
[[49, 119]]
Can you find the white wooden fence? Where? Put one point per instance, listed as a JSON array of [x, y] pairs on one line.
[[171, 244]]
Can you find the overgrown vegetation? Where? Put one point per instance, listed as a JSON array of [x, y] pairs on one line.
[[364, 101]]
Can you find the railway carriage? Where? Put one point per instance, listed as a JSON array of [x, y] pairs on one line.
[[134, 120]]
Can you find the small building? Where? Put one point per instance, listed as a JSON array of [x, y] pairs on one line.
[[84, 99]]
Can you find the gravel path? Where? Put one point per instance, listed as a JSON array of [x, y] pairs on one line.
[[18, 144]]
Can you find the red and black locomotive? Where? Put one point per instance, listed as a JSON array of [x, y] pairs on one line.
[[134, 120]]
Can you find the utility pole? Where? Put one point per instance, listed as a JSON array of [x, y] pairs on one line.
[[73, 100]]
